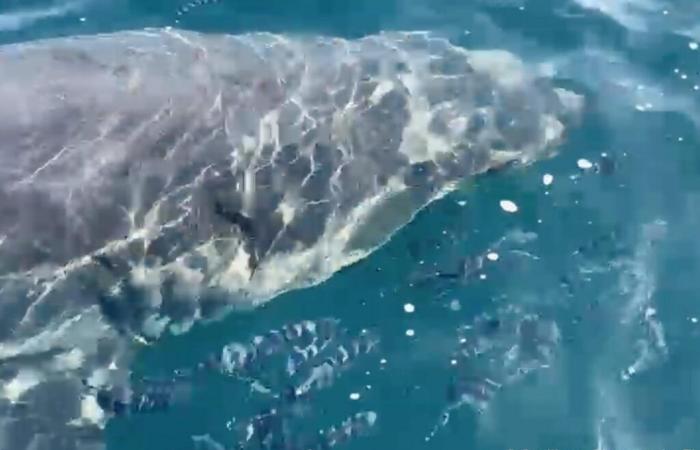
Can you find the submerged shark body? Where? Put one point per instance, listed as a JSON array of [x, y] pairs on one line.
[[151, 179]]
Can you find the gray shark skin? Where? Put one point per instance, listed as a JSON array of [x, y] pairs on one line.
[[150, 179]]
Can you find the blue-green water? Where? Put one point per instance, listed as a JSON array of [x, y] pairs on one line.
[[613, 261]]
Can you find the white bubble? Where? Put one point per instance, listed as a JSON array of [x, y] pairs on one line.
[[409, 308], [410, 332], [584, 164], [453, 362], [82, 19], [696, 87], [547, 179], [462, 202], [694, 319], [482, 276], [693, 45], [508, 206], [355, 396], [455, 305], [492, 256], [382, 361]]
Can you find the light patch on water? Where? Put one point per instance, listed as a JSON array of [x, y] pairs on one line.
[[23, 18], [70, 360], [625, 85], [630, 14], [82, 330], [24, 381], [90, 412]]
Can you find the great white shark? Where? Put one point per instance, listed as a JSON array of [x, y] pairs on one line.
[[153, 178]]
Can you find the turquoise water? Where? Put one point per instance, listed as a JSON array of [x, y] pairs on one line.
[[607, 255]]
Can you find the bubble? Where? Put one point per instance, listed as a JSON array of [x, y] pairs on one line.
[[492, 256], [584, 164], [409, 308], [455, 305], [410, 332], [693, 45], [355, 396], [508, 206], [547, 179]]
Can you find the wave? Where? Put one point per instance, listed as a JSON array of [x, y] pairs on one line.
[[166, 177]]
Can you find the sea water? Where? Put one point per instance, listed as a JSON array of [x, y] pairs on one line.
[[546, 307]]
